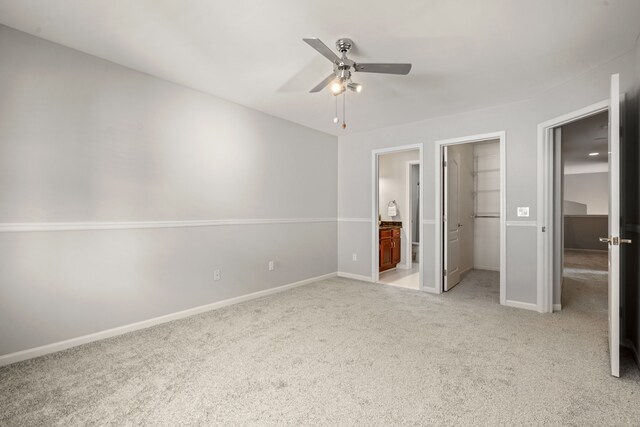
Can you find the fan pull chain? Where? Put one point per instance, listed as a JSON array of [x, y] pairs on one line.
[[336, 120], [344, 110]]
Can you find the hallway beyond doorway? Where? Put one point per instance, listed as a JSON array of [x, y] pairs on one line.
[[584, 286]]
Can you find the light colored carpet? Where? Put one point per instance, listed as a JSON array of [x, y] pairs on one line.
[[585, 260], [340, 352], [585, 281]]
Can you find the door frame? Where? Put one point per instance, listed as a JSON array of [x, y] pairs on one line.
[[438, 201], [375, 238], [558, 215], [545, 213], [409, 245]]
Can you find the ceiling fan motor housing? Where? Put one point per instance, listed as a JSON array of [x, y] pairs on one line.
[[344, 45], [343, 72]]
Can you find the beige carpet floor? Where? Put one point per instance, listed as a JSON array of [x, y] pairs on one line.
[[342, 352], [585, 260]]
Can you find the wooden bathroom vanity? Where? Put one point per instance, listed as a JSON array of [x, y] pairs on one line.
[[390, 246]]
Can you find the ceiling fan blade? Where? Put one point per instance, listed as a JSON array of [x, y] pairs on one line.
[[384, 68], [323, 49], [323, 83]]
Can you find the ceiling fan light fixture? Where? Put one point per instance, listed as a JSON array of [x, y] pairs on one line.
[[355, 87], [337, 87]]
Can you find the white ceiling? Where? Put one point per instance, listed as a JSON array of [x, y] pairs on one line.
[[589, 135], [465, 54]]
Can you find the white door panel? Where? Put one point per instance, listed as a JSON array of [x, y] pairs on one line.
[[452, 219], [614, 225]]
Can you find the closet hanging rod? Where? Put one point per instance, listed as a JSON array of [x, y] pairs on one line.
[[486, 216]]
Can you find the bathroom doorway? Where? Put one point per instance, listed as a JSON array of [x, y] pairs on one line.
[[413, 207], [397, 209]]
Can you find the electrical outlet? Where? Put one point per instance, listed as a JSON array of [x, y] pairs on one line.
[[271, 266], [216, 274], [354, 257]]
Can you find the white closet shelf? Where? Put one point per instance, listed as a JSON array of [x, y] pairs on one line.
[[486, 170], [487, 215]]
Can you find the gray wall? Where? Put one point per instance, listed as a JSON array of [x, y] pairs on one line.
[[574, 208], [519, 120], [584, 231], [86, 140], [392, 175], [592, 189]]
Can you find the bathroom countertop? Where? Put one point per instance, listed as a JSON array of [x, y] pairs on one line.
[[385, 225]]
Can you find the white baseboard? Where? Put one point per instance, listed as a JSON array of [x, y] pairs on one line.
[[482, 267], [524, 305], [465, 271], [557, 307], [18, 356], [587, 250], [354, 276]]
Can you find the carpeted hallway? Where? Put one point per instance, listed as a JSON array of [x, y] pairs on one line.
[[341, 352]]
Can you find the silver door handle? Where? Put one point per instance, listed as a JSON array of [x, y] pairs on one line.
[[459, 225], [614, 240]]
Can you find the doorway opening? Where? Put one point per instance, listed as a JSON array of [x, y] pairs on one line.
[[413, 196], [397, 210], [470, 200], [580, 210], [550, 213]]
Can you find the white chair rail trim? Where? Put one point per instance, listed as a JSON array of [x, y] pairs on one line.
[[9, 227]]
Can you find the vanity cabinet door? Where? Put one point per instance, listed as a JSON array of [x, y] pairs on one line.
[[386, 254], [395, 250]]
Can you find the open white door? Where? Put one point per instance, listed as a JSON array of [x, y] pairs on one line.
[[451, 223], [614, 226]]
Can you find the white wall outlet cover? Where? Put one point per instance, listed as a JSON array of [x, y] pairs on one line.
[[271, 266], [216, 275], [523, 211], [354, 257]]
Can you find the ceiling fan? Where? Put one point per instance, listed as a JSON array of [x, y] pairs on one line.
[[340, 79]]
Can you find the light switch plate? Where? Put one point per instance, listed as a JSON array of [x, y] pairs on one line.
[[523, 211]]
